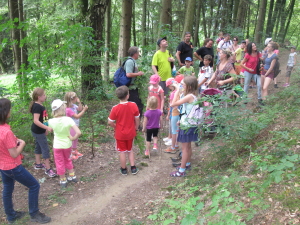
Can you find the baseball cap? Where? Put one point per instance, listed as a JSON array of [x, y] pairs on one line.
[[268, 40], [179, 78], [169, 81], [188, 59], [159, 40], [56, 104], [154, 79]]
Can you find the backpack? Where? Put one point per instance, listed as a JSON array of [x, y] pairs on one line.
[[276, 68], [195, 116], [120, 77]]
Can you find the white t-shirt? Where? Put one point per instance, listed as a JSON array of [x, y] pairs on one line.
[[225, 45], [204, 72], [291, 59]]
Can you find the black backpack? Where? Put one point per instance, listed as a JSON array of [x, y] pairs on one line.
[[120, 77], [276, 68]]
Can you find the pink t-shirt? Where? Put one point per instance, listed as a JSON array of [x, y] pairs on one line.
[[251, 62], [156, 91], [7, 141]]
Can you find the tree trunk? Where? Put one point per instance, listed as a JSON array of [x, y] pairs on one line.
[[284, 14], [144, 25], [133, 24], [189, 17], [217, 18], [197, 22], [202, 5], [256, 17], [166, 15], [260, 21], [275, 17], [107, 39], [125, 30], [269, 23], [235, 11], [291, 9]]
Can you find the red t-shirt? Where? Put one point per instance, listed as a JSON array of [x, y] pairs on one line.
[[8, 140], [251, 62], [124, 114]]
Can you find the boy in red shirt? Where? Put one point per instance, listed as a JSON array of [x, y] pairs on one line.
[[124, 117]]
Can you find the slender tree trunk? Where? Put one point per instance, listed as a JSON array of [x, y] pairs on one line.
[[269, 23], [189, 18], [144, 25], [202, 7], [235, 10], [284, 14], [291, 9], [133, 24], [275, 17], [197, 22], [107, 39], [256, 20], [166, 15], [260, 21], [248, 21], [125, 30], [217, 18], [241, 14]]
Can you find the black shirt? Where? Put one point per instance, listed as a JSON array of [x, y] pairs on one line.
[[39, 109], [185, 51], [203, 51]]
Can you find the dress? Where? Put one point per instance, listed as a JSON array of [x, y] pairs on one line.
[[220, 73]]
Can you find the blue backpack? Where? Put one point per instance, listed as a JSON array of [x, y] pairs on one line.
[[120, 77]]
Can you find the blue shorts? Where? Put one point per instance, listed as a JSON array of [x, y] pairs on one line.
[[174, 126]]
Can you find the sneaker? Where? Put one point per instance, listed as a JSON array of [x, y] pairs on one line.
[[176, 164], [168, 142], [176, 148], [146, 152], [78, 154], [286, 85], [50, 173], [134, 170], [40, 218], [72, 179], [186, 167], [275, 86], [167, 139], [63, 183], [39, 166], [177, 174], [154, 148], [73, 156], [170, 150], [123, 171], [19, 215]]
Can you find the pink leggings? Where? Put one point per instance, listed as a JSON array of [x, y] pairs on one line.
[[62, 160], [75, 142]]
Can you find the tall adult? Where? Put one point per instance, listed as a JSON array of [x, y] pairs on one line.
[[225, 44], [184, 49], [268, 71], [207, 49], [161, 63], [249, 68], [132, 72]]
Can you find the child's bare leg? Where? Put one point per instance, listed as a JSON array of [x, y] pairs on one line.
[[122, 157], [47, 163], [155, 140], [131, 158], [174, 140], [38, 158]]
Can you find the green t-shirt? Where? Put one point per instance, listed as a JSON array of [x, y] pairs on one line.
[[240, 53], [160, 59], [61, 128], [186, 71]]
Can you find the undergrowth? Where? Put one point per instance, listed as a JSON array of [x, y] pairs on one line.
[[251, 169]]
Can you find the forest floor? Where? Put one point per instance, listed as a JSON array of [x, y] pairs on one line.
[[105, 197]]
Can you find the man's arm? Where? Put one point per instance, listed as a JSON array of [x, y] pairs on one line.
[[178, 58], [154, 69]]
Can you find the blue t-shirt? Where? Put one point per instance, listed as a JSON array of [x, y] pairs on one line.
[[268, 61], [153, 118]]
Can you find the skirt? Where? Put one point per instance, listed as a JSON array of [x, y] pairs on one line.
[[189, 135]]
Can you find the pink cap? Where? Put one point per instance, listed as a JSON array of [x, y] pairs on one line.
[[179, 78], [169, 81], [154, 79]]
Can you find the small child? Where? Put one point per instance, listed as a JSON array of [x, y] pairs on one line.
[[290, 65], [239, 56], [156, 90], [125, 119], [187, 70], [205, 73], [39, 130], [151, 123], [62, 143], [11, 170], [72, 111]]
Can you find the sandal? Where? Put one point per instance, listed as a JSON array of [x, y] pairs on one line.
[[177, 174]]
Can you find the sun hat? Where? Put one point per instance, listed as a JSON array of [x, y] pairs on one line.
[[154, 79], [170, 81], [159, 40], [56, 104], [179, 78], [268, 40], [188, 59]]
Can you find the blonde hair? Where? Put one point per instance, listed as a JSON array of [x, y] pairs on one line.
[[69, 96], [61, 111], [191, 85], [35, 96], [227, 52], [152, 103]]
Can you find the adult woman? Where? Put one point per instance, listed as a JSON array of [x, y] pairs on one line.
[[249, 67], [268, 72], [207, 49], [224, 67], [11, 170]]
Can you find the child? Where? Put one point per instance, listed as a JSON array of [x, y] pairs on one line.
[[290, 65], [11, 170], [72, 111], [187, 70], [156, 90], [186, 136], [63, 141], [174, 118], [39, 130], [124, 117], [151, 123], [205, 73], [239, 56]]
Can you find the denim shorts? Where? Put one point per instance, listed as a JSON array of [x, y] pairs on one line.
[[41, 145]]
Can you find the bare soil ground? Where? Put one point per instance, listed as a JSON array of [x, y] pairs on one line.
[[104, 196]]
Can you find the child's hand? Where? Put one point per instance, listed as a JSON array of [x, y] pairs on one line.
[[85, 107], [49, 129], [144, 130], [71, 138]]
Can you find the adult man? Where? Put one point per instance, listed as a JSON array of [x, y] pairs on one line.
[[161, 63], [226, 43], [132, 71], [184, 49]]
